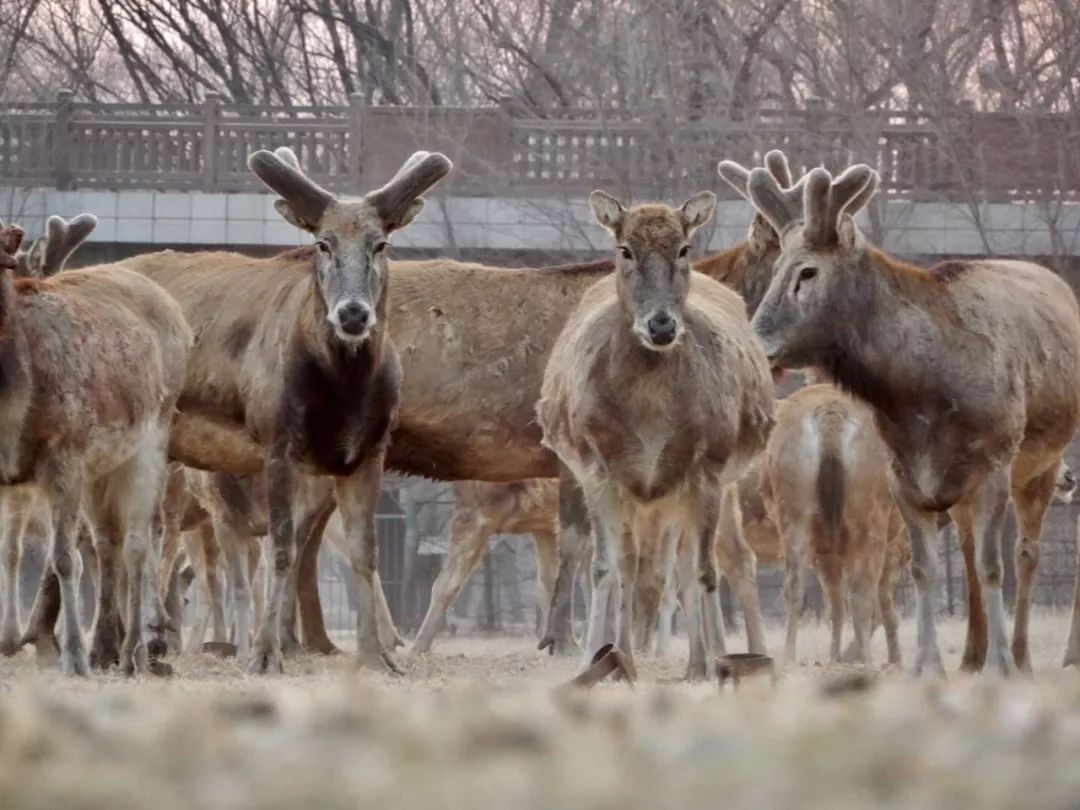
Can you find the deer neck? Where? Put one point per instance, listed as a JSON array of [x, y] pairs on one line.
[[888, 346]]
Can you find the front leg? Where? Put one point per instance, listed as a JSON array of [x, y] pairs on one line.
[[280, 493], [922, 528], [356, 498]]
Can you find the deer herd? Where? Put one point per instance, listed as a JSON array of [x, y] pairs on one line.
[[162, 415]]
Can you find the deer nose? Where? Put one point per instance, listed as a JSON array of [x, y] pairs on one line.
[[353, 317], [661, 329]]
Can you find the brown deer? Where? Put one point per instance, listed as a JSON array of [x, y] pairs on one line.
[[972, 370], [295, 372], [481, 510], [95, 362], [22, 508], [656, 395], [826, 484]]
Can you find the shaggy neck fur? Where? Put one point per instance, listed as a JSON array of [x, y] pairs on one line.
[[887, 350]]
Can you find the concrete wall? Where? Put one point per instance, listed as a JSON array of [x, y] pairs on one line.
[[497, 224]]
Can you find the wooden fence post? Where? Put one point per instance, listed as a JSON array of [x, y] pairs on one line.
[[356, 137], [62, 140], [211, 107]]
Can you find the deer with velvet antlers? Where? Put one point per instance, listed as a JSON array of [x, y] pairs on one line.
[[294, 372], [972, 369]]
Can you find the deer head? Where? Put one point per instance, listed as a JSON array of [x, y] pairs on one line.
[[351, 235], [652, 262], [820, 248], [48, 255]]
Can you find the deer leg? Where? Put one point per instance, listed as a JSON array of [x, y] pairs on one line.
[[174, 607], [922, 528], [318, 509], [468, 541], [887, 610], [64, 491], [628, 573], [574, 539], [862, 587], [607, 531], [697, 664], [831, 577], [794, 585], [108, 539], [356, 497], [13, 527], [281, 493], [234, 546], [546, 545], [975, 646], [669, 596], [740, 568], [990, 501], [1072, 647], [1030, 500]]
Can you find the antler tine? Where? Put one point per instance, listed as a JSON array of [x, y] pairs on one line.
[[62, 239], [307, 200], [826, 199], [418, 174], [777, 164], [863, 197], [289, 156], [780, 206], [736, 175], [818, 225]]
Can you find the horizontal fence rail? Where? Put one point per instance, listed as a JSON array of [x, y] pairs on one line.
[[967, 155]]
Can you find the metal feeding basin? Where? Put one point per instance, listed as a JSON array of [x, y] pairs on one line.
[[740, 667]]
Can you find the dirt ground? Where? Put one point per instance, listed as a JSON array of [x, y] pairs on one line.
[[477, 724]]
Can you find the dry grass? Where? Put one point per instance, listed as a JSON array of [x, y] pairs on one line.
[[476, 724]]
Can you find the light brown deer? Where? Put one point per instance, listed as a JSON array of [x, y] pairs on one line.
[[22, 509], [972, 370], [656, 395], [481, 510], [826, 484], [95, 362], [294, 371]]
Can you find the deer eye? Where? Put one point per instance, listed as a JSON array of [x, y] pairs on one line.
[[323, 246], [807, 273], [624, 251], [683, 251], [380, 246]]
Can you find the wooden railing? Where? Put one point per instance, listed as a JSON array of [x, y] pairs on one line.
[[968, 155]]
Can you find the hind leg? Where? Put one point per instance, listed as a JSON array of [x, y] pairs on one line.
[[108, 541], [468, 541], [974, 659], [309, 605], [574, 544], [15, 509], [832, 584], [1030, 501], [63, 490], [794, 584]]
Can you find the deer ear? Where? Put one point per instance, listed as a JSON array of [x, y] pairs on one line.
[[762, 236], [848, 235], [608, 211], [287, 214], [410, 213], [697, 210]]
